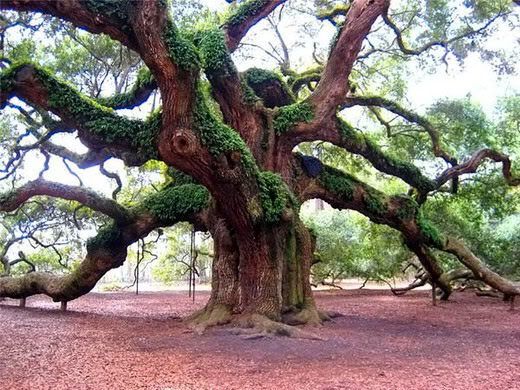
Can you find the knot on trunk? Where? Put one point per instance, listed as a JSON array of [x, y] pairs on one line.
[[184, 143]]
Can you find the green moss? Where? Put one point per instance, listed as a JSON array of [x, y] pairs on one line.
[[338, 183], [100, 120], [255, 76], [6, 80], [248, 94], [213, 51], [297, 81], [245, 11], [274, 196], [7, 197], [262, 84], [408, 208], [219, 138], [107, 237], [118, 10], [349, 134], [182, 50], [179, 178], [336, 10], [8, 74], [294, 292], [287, 117], [429, 231], [358, 143], [374, 203], [175, 203]]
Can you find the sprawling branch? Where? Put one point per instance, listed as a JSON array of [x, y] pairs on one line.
[[86, 160], [480, 270], [92, 15], [333, 85], [109, 248], [409, 115], [471, 165], [342, 134], [99, 127], [14, 199], [246, 16], [143, 87], [343, 191]]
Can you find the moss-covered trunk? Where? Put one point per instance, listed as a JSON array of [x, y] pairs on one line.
[[264, 271]]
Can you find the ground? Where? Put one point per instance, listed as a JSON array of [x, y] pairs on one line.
[[122, 341]]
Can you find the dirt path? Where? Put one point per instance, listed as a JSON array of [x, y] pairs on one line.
[[120, 341]]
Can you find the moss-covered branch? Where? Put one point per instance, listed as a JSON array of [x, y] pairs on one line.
[[12, 200], [358, 143], [108, 249], [98, 124], [402, 213], [269, 87], [137, 95], [96, 16], [176, 203]]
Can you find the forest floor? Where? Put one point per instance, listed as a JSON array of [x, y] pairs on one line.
[[122, 341]]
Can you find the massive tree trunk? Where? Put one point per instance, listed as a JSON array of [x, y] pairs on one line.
[[263, 272]]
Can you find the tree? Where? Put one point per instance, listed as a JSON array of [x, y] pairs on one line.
[[228, 139]]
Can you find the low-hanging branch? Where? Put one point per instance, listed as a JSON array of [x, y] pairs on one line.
[[108, 249], [12, 200], [402, 213]]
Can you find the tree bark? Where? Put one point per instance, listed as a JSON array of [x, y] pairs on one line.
[[261, 272]]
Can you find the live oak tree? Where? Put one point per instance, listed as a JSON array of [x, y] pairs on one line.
[[233, 168]]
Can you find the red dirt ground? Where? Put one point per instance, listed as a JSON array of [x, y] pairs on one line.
[[120, 341]]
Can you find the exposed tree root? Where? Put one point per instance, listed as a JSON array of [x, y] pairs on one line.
[[309, 315], [253, 326], [488, 293], [211, 315]]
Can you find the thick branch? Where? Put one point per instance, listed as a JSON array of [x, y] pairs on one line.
[[340, 190], [109, 248], [246, 16], [480, 270], [14, 199], [84, 14], [333, 85], [99, 127]]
